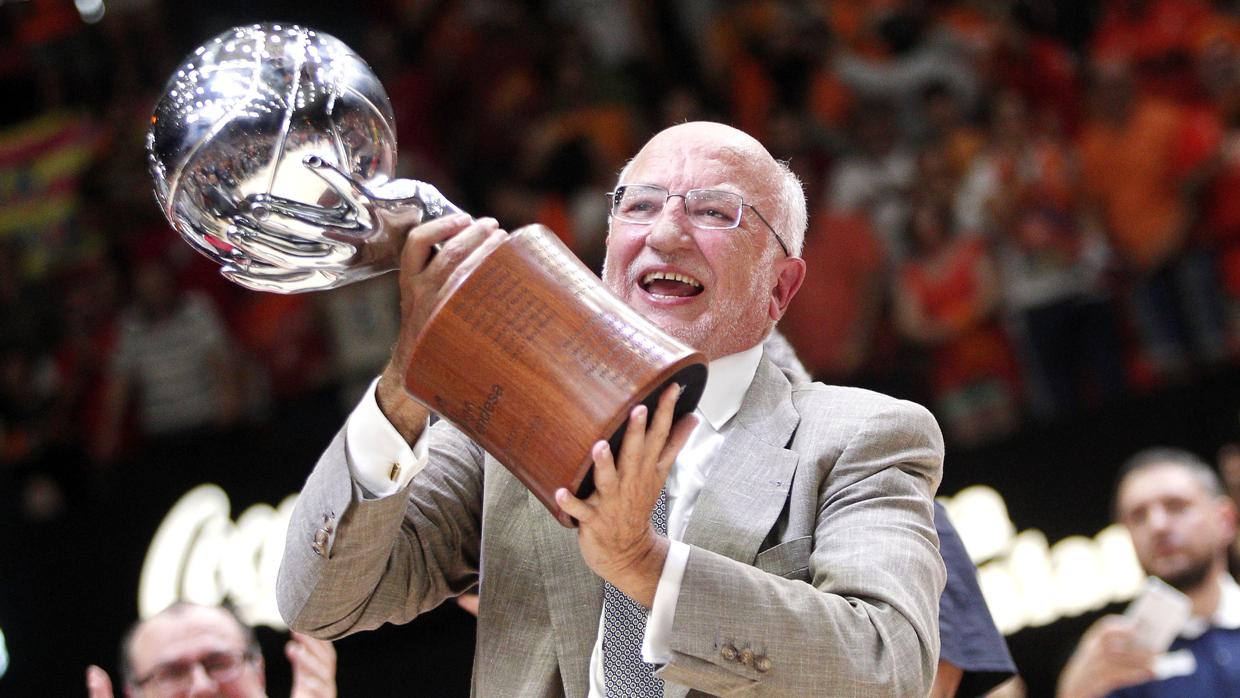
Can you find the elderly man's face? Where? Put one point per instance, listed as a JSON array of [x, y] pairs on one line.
[[716, 290], [181, 649], [1179, 529]]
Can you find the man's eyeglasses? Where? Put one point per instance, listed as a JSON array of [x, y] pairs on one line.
[[176, 678], [710, 209]]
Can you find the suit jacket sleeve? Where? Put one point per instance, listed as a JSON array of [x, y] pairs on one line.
[[351, 563], [859, 616]]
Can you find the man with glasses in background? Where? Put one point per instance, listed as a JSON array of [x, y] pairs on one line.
[[193, 650], [779, 541]]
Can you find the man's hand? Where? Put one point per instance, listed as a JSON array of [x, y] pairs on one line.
[[614, 531], [1107, 658], [98, 683], [946, 680], [424, 281], [314, 667], [469, 602]]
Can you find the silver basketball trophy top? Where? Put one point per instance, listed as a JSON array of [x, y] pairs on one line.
[[272, 150]]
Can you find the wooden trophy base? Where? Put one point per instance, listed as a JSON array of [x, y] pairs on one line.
[[535, 360]]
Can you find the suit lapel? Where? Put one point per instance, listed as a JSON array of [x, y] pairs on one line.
[[574, 597], [751, 474], [749, 480]]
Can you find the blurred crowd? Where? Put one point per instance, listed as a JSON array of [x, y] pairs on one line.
[[1019, 209]]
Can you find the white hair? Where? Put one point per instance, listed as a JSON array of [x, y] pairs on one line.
[[793, 218]]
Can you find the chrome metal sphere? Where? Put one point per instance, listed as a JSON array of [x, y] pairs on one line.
[[241, 115]]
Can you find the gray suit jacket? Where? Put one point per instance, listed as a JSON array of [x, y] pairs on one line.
[[813, 546]]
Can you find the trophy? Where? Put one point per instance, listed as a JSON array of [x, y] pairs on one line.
[[273, 151]]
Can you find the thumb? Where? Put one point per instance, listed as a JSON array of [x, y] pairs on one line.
[[98, 683]]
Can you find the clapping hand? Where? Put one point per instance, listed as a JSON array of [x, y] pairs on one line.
[[314, 667]]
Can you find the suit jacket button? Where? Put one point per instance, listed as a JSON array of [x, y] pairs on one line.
[[320, 542], [747, 657], [762, 664], [728, 652]]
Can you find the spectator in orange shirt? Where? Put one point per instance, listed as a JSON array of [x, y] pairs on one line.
[[1134, 183], [946, 296], [1020, 193]]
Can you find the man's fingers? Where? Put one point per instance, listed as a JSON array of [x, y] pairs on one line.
[[423, 238], [572, 506], [604, 467], [634, 439], [1128, 656], [323, 649], [1127, 676], [1116, 633], [310, 661], [492, 238], [661, 424], [98, 683], [456, 248], [469, 602]]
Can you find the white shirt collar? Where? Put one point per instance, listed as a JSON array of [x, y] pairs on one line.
[[727, 381], [1226, 615]]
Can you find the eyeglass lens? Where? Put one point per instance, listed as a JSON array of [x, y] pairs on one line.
[[706, 208], [220, 666]]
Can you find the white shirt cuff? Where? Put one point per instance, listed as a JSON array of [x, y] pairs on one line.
[[379, 458], [656, 643]]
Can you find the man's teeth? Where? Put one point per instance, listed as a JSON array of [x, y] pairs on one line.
[[670, 276]]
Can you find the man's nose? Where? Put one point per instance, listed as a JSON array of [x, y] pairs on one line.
[[671, 229], [1157, 519], [202, 685]]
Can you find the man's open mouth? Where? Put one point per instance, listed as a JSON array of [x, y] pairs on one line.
[[670, 283]]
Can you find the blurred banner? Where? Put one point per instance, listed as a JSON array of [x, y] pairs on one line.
[[41, 165]]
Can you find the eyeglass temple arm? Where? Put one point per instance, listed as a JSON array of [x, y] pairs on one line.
[[772, 229]]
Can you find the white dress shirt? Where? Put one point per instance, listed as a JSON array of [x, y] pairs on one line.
[[382, 463]]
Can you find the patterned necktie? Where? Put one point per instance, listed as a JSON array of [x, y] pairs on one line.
[[624, 625]]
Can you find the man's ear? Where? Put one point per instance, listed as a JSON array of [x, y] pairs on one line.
[[790, 274], [1227, 511]]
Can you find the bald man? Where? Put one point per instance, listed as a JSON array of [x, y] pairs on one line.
[[799, 555], [196, 650]]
